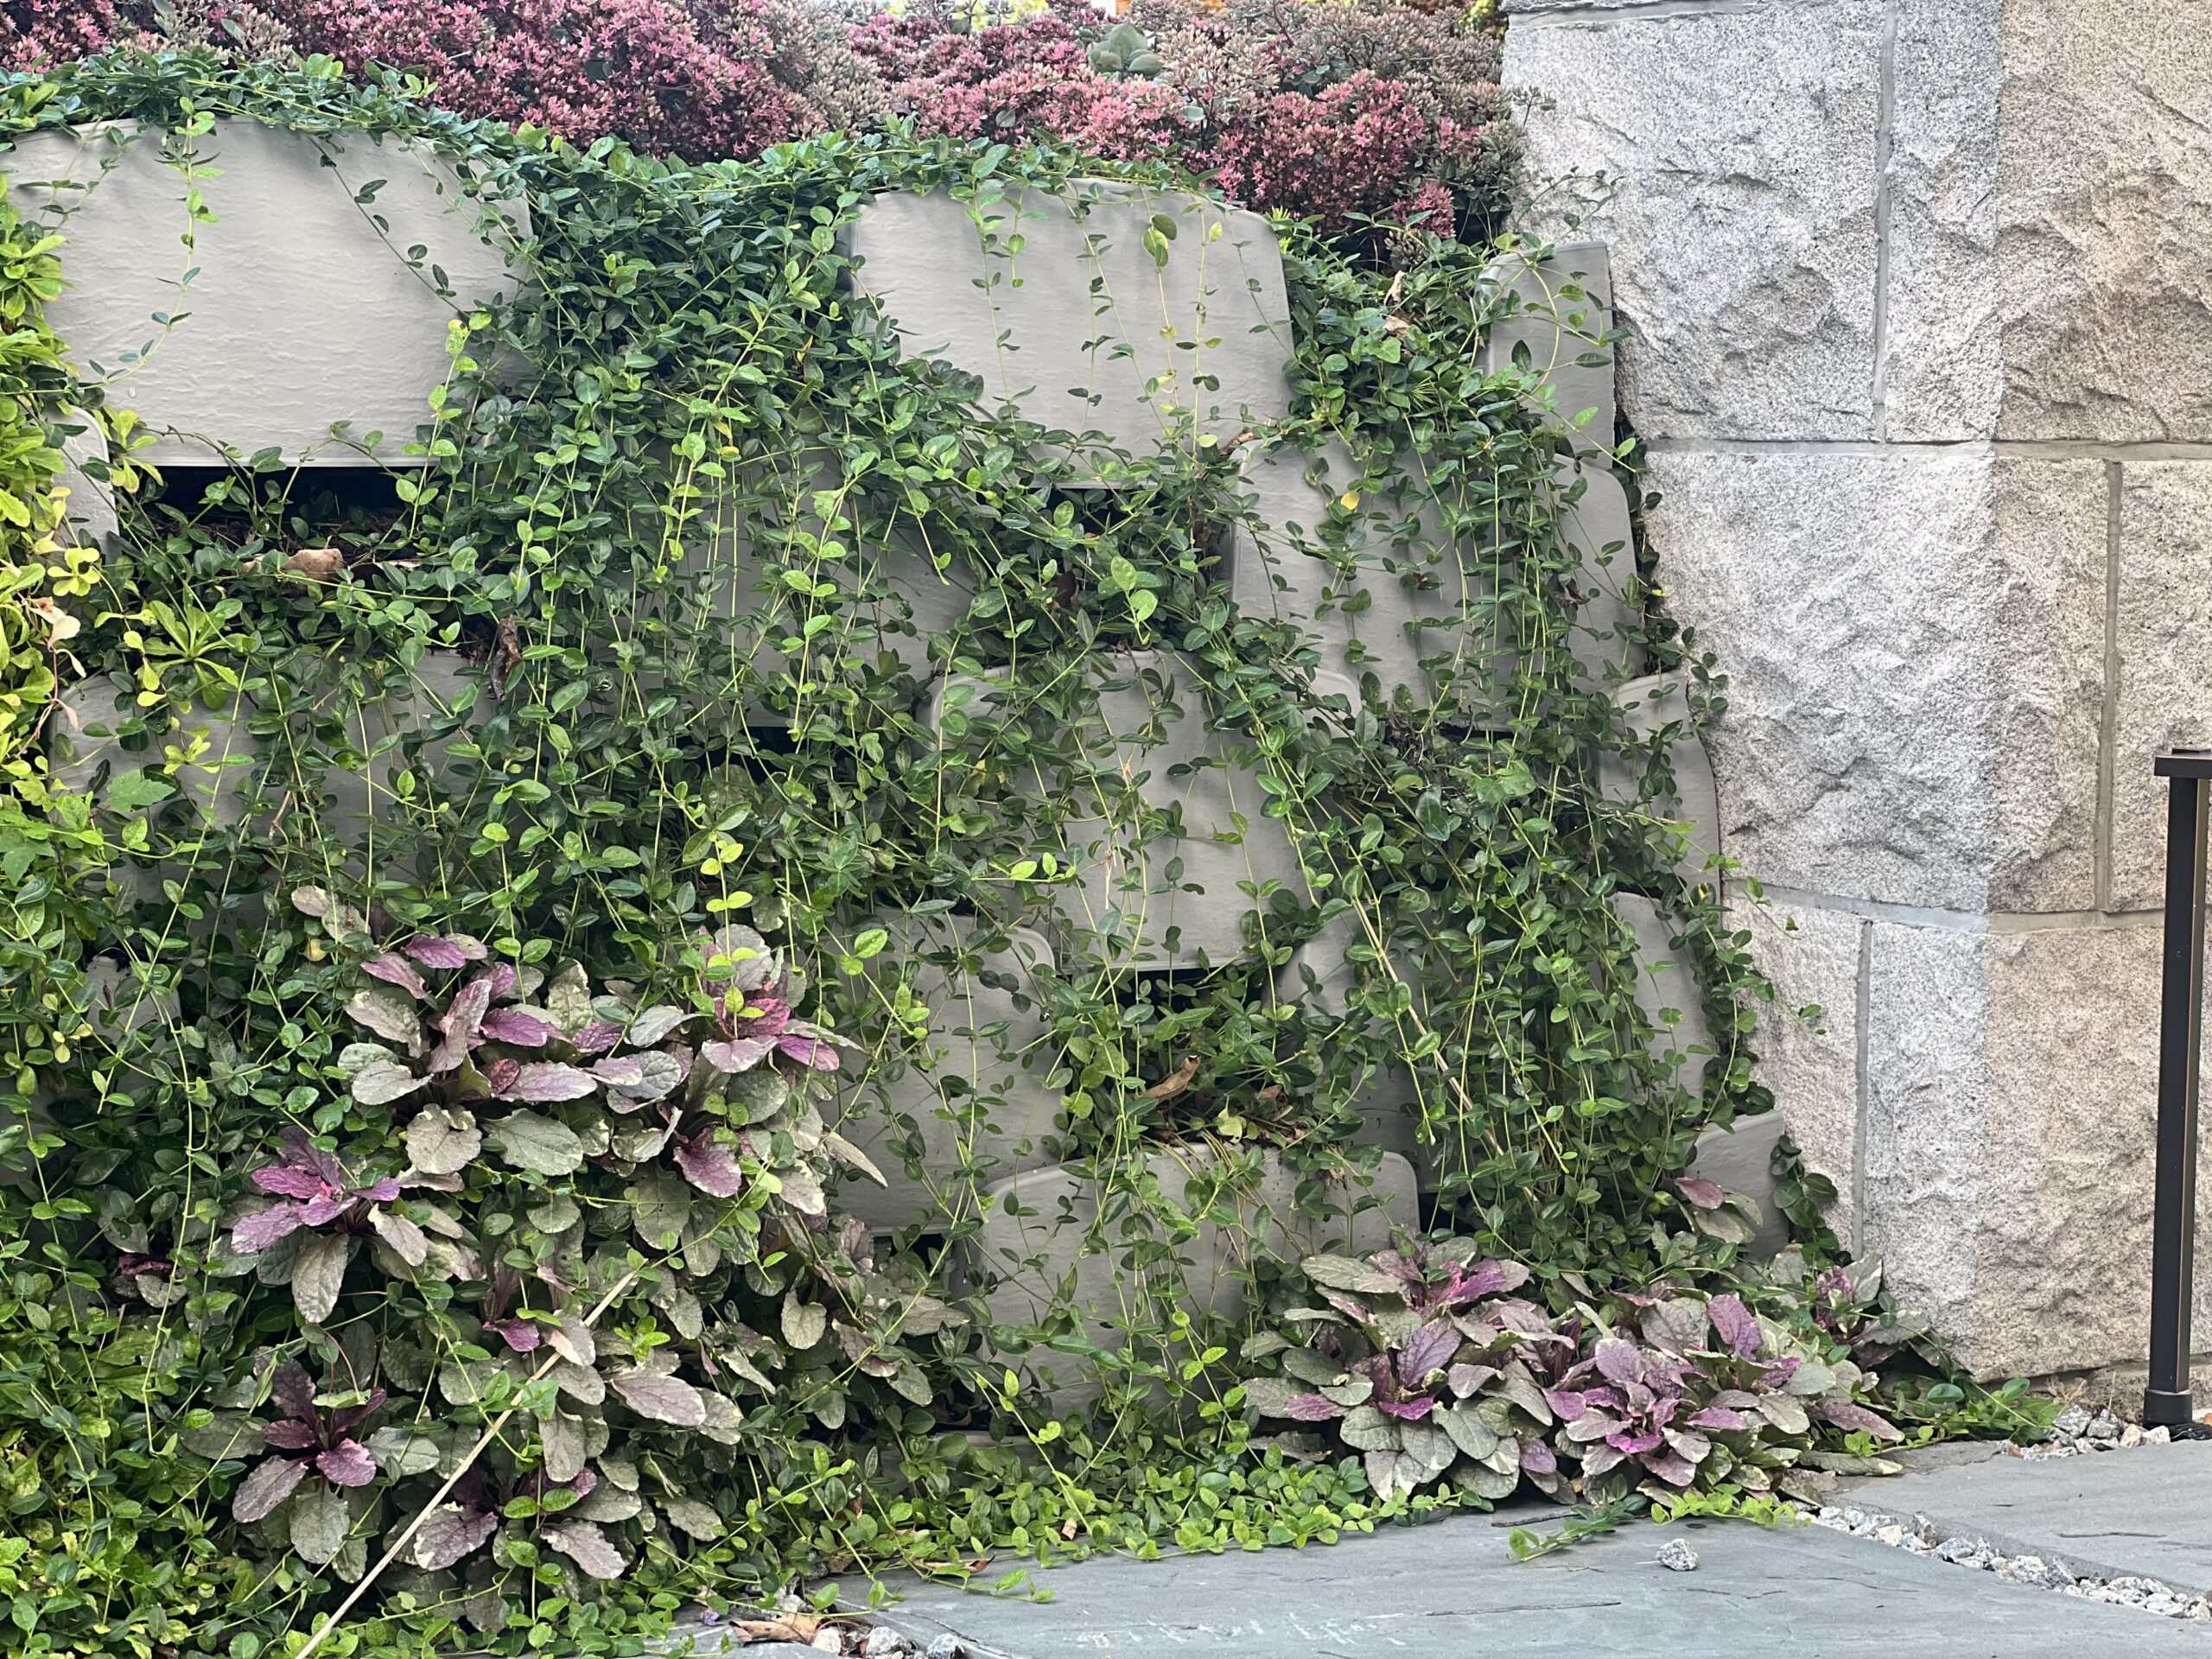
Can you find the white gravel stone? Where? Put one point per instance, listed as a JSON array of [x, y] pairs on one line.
[[1676, 1556]]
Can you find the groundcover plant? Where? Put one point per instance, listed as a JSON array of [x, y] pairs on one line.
[[452, 1207]]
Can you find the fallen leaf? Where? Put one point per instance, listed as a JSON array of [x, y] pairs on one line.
[[1169, 1088]]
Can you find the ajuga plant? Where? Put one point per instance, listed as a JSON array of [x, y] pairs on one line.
[[443, 994]]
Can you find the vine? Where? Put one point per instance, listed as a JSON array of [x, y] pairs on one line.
[[613, 747]]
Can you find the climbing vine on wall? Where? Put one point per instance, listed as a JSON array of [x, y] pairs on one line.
[[441, 1060]]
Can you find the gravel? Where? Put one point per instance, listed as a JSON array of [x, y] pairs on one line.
[[2076, 1433], [1918, 1536], [1676, 1555]]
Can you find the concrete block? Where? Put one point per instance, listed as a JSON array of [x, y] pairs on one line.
[[1914, 645], [214, 750], [1594, 522], [90, 516], [1563, 311], [1059, 307], [1740, 1158], [1046, 1238], [1669, 768], [1739, 144], [369, 783], [971, 1092], [307, 308], [1667, 991]]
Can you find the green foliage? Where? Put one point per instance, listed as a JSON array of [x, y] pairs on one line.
[[625, 657]]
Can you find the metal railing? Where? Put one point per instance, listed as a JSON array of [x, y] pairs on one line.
[[2167, 1399]]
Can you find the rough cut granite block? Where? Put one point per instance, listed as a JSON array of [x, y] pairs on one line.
[[1565, 311], [1080, 327], [2163, 641], [1042, 1239], [1807, 1042], [1739, 144], [2012, 1106], [1914, 645], [303, 312], [971, 1092], [1656, 711]]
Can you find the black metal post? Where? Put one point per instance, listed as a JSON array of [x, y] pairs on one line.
[[2181, 1024]]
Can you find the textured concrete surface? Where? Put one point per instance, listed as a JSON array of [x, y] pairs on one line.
[[1451, 1589], [303, 312]]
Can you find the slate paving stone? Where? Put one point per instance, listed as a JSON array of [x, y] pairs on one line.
[[1451, 1589]]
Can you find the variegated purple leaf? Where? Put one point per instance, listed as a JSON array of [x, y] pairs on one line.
[[346, 1418], [293, 1390], [1618, 1359], [1737, 1326], [347, 1464], [1706, 1195], [518, 1028], [549, 1080], [1846, 1414], [1311, 1408], [1567, 1404], [383, 1190], [1670, 1466], [500, 1074], [303, 1151], [1634, 1442], [1429, 1349], [1412, 1410], [396, 970], [267, 1485], [520, 1335], [442, 954], [451, 1533], [1598, 1459], [256, 1233], [809, 1051], [461, 1023], [663, 1399], [736, 1055], [321, 1211], [649, 1026], [620, 1070], [292, 1182], [711, 1166], [582, 1542], [597, 1037], [501, 976], [1719, 1417], [1463, 1380], [291, 1434], [1537, 1457]]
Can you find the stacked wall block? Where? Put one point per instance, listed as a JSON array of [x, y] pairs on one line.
[[1655, 709], [1740, 1160], [293, 272], [1421, 593], [1081, 327], [910, 602], [1563, 307], [359, 790], [1158, 735], [89, 516], [1042, 1227], [117, 1010], [971, 1091]]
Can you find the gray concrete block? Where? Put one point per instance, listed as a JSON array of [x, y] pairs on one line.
[[215, 750], [971, 1092], [1045, 1240], [1739, 1159], [90, 516], [1059, 306], [1667, 991], [1594, 522], [305, 310], [1656, 712], [1370, 572], [1562, 309]]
